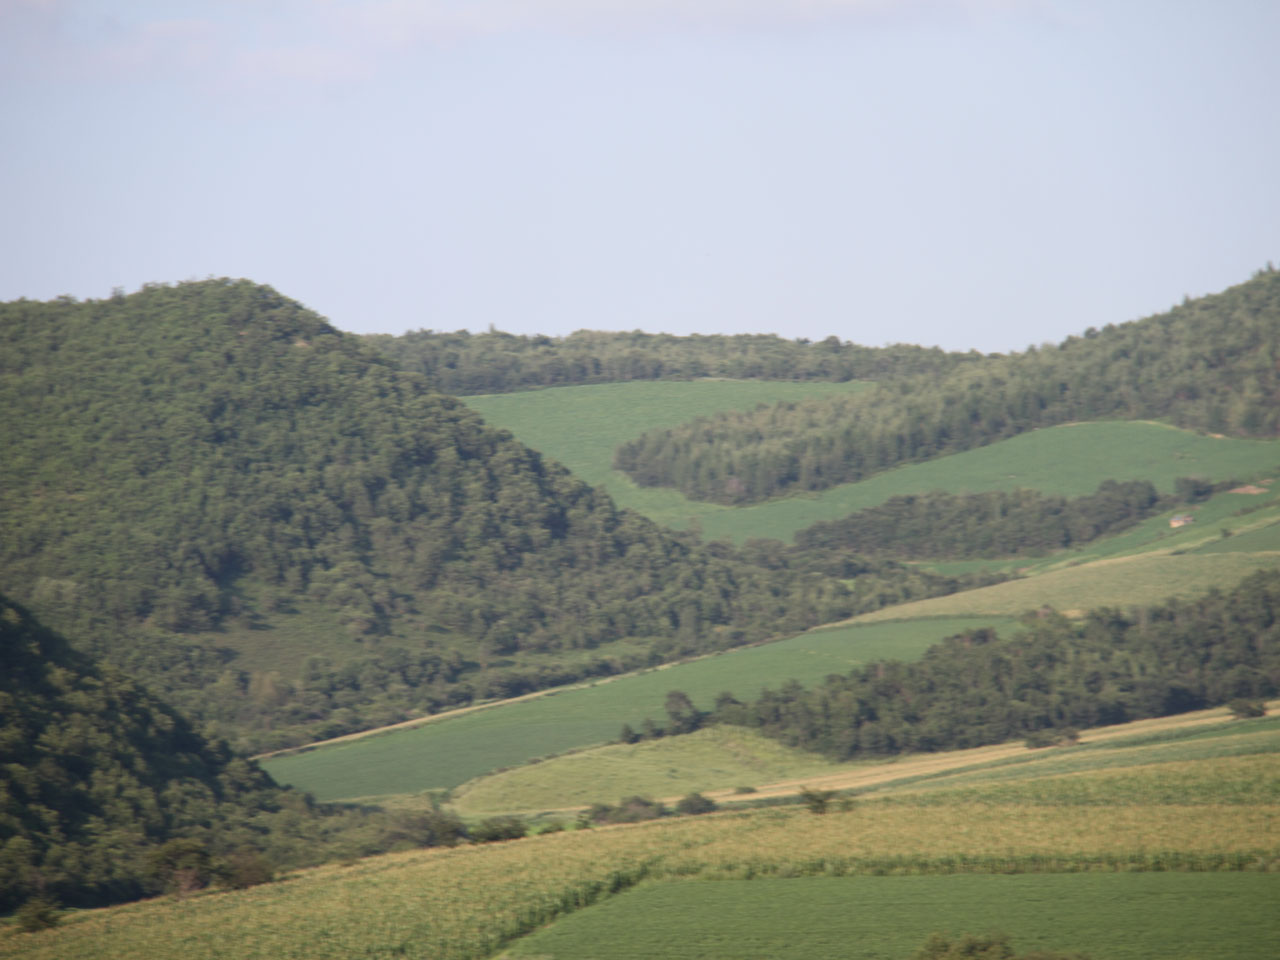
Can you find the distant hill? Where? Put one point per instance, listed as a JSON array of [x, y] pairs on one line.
[[290, 536], [463, 363], [1209, 365]]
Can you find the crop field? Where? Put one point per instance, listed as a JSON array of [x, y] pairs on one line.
[[1119, 831], [467, 903], [1122, 582], [1111, 916], [582, 426], [451, 751]]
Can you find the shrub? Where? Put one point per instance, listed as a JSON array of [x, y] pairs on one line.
[[499, 828], [38, 913], [1243, 709], [817, 800], [695, 803], [245, 868], [991, 947]]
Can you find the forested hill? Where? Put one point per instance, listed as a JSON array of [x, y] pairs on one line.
[[463, 363], [1211, 364], [210, 457]]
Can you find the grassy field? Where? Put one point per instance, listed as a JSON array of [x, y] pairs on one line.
[[717, 759], [1149, 916], [582, 426], [1079, 857], [449, 752]]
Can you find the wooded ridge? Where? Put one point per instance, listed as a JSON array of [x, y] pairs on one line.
[[1210, 364]]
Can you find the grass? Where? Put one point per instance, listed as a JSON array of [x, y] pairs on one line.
[[1152, 916], [449, 752], [582, 426]]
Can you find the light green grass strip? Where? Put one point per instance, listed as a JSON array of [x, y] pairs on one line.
[[1123, 583], [718, 758]]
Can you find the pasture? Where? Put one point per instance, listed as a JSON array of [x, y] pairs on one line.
[[450, 751], [581, 427]]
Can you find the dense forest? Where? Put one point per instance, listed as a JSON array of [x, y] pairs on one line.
[[194, 463], [1210, 364], [992, 524], [463, 363], [977, 688]]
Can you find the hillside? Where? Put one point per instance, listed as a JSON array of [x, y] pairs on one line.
[[294, 539], [96, 775], [1206, 365]]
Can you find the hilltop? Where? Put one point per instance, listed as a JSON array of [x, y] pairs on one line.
[[293, 538]]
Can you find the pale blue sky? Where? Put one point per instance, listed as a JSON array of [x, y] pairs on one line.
[[971, 173]]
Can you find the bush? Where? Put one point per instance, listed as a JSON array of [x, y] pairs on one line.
[[499, 828], [817, 800], [991, 947], [38, 913], [245, 868], [695, 803], [1243, 709]]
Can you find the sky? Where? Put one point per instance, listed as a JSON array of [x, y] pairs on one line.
[[976, 174]]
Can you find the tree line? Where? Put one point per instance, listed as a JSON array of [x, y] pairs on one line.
[[464, 363], [977, 688], [991, 524], [1210, 364]]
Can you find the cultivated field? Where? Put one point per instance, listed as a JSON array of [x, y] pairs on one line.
[[1110, 916], [582, 426], [1119, 837], [448, 752]]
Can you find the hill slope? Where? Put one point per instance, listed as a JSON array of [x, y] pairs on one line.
[[213, 460], [1208, 365]]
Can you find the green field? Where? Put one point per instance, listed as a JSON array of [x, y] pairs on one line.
[[1148, 916], [449, 752], [582, 426]]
